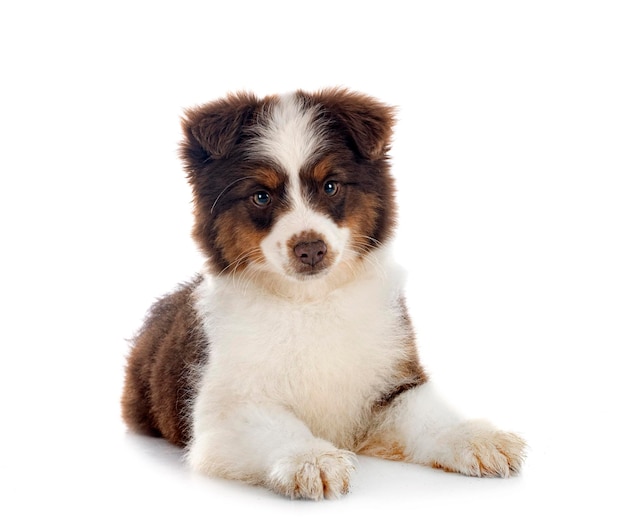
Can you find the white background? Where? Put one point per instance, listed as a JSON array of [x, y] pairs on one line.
[[510, 159]]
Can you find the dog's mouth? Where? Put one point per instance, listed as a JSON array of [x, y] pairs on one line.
[[310, 272]]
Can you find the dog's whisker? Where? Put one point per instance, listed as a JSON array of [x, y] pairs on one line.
[[226, 189]]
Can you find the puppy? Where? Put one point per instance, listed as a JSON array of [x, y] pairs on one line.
[[294, 350]]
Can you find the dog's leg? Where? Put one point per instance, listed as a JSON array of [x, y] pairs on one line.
[[268, 445], [420, 427]]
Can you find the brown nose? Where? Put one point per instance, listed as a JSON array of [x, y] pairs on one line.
[[310, 253]]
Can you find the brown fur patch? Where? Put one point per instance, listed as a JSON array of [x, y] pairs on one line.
[[160, 376], [364, 119], [268, 177], [215, 128], [409, 372], [362, 221], [323, 168], [383, 448], [239, 241]]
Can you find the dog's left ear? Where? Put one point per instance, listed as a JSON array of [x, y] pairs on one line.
[[367, 122]]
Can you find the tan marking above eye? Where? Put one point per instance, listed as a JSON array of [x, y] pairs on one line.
[[322, 169], [268, 177]]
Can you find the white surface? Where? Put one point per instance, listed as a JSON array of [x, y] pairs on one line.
[[510, 156]]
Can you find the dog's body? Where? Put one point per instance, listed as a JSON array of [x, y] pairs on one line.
[[294, 351]]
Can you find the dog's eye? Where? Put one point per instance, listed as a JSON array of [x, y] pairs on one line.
[[261, 199], [331, 188]]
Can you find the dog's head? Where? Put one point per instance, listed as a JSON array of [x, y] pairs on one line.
[[292, 185]]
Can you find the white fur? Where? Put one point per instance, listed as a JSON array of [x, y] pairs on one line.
[[432, 433], [287, 378], [288, 137], [300, 219], [290, 384]]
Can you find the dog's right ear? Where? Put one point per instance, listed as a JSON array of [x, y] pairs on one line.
[[211, 131]]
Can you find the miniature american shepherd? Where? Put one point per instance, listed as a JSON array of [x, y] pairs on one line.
[[293, 350]]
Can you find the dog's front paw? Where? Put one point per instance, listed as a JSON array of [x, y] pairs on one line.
[[313, 475], [477, 449]]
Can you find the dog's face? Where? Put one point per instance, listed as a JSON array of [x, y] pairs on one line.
[[291, 185]]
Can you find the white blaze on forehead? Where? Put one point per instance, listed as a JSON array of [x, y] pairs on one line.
[[289, 138]]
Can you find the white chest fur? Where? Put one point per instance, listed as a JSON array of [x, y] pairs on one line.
[[325, 360]]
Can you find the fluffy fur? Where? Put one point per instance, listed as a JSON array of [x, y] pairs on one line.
[[294, 350]]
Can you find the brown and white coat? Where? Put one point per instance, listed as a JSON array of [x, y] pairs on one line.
[[294, 350]]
